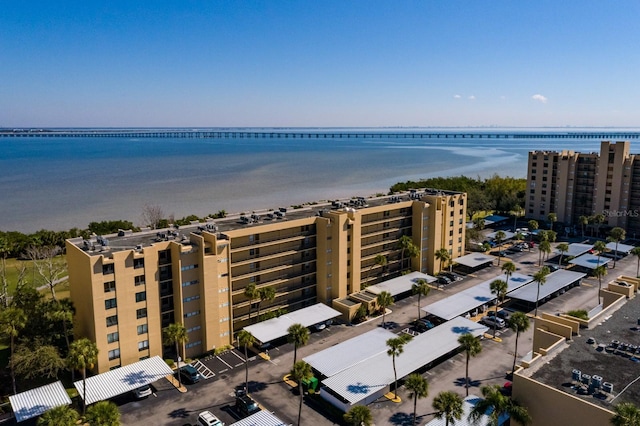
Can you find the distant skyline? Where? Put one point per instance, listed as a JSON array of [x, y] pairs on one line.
[[319, 64]]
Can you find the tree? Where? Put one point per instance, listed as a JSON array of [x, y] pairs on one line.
[[405, 244], [5, 248], [583, 220], [359, 415], [421, 288], [419, 388], [265, 294], [599, 272], [152, 214], [384, 300], [518, 322], [246, 339], [12, 321], [562, 248], [544, 248], [175, 334], [636, 252], [82, 355], [626, 414], [600, 247], [299, 336], [478, 223], [552, 218], [472, 347], [63, 311], [499, 239], [49, 266], [541, 278], [533, 226], [396, 347], [508, 268], [300, 372], [448, 405], [598, 220], [442, 255], [103, 413], [497, 405], [499, 289], [37, 360], [381, 260], [62, 415], [413, 251], [616, 235], [251, 292]]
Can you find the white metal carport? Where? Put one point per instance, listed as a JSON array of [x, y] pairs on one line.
[[35, 402], [401, 284], [261, 418], [589, 261], [556, 281]]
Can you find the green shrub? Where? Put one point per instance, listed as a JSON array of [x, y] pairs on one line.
[[170, 362], [579, 313]]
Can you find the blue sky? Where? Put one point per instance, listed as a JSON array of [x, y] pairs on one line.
[[319, 63]]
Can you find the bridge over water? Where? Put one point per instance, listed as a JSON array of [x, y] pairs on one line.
[[307, 134]]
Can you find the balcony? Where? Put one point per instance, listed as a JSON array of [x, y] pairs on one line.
[[277, 240]]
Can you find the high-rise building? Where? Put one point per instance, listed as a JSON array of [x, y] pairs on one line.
[[127, 287], [574, 184]]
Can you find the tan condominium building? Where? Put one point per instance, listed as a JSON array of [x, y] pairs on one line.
[[573, 184], [127, 287]]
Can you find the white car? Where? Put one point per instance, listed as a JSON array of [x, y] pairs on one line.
[[206, 418], [493, 322], [142, 392]]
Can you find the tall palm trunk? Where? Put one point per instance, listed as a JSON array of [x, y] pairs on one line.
[[537, 299], [300, 406], [84, 391], [246, 370], [415, 407], [13, 373], [466, 376], [178, 364], [419, 296], [395, 378], [515, 355]]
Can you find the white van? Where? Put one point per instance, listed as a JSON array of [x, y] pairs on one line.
[[206, 418]]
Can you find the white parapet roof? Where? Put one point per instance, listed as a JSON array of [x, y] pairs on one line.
[[35, 402], [272, 329], [366, 378], [555, 281], [401, 284], [123, 379]]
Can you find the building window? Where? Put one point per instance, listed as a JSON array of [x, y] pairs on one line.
[[190, 298], [107, 269], [192, 344], [112, 337], [112, 320], [191, 314], [110, 303], [139, 280], [141, 313], [114, 354], [144, 345], [109, 286], [188, 283], [138, 263], [196, 328], [142, 329], [141, 296], [188, 267]]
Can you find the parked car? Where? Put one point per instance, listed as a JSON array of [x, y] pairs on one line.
[[206, 418], [246, 406], [189, 374], [424, 324], [449, 275], [443, 280], [501, 314], [493, 322], [142, 392]]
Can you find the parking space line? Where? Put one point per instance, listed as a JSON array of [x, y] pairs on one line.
[[238, 356], [224, 362]]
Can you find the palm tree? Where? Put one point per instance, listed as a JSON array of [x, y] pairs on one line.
[[478, 223], [246, 339], [62, 415], [598, 220], [552, 218], [103, 413], [518, 322], [175, 334], [541, 278], [12, 321], [413, 251], [562, 248], [600, 247], [599, 272], [381, 260], [250, 292], [83, 354], [636, 252], [384, 300], [583, 220], [616, 235], [396, 347], [419, 388], [499, 239], [448, 405], [472, 347], [544, 248], [300, 372], [299, 336], [499, 288], [533, 226], [265, 294], [508, 268], [442, 255], [403, 244], [359, 415], [626, 414], [421, 288], [498, 405]]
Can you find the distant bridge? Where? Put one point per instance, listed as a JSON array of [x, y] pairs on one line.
[[306, 134]]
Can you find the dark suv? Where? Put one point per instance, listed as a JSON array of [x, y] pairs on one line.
[[245, 405], [189, 374]]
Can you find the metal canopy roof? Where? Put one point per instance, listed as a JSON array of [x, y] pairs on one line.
[[622, 248], [261, 418], [467, 406], [507, 235], [474, 260], [366, 378], [401, 284], [494, 218], [275, 328], [575, 249], [346, 354], [474, 297], [35, 402], [589, 261], [123, 379], [555, 281]]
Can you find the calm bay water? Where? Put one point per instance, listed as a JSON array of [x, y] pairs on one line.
[[59, 183]]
